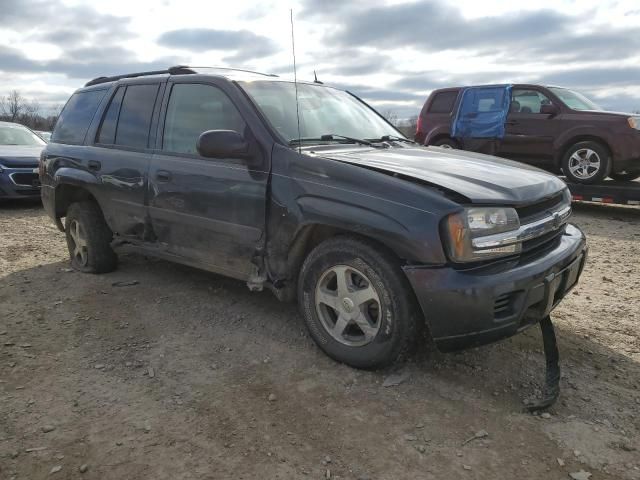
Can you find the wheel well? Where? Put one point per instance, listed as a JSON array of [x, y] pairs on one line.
[[439, 137], [313, 235], [68, 194], [582, 138]]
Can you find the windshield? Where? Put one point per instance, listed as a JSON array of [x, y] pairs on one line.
[[324, 111], [18, 135], [574, 100]]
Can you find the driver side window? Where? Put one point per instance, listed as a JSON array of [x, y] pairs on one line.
[[193, 109], [527, 101]]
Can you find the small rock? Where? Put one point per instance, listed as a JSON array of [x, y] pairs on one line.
[[55, 469], [147, 428], [395, 379], [14, 454], [151, 372], [4, 332], [560, 462], [327, 474], [545, 415], [409, 437], [421, 448], [99, 366], [466, 467], [327, 459], [272, 397], [581, 475], [25, 345], [48, 428], [83, 468], [125, 283], [476, 436]]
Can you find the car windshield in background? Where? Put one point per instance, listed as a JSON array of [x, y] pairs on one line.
[[324, 112], [574, 100], [18, 135]]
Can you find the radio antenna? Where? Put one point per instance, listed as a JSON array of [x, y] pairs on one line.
[[295, 82]]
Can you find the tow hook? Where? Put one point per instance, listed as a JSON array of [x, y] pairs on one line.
[[551, 389]]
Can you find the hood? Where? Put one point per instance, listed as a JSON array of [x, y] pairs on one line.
[[482, 179], [20, 155], [607, 112]]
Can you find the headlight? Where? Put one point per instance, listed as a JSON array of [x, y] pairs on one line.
[[461, 228], [634, 122]]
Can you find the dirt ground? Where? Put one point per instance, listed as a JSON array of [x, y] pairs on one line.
[[188, 375]]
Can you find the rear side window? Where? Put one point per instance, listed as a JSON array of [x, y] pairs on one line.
[[443, 102], [194, 109], [107, 133], [134, 121], [74, 121]]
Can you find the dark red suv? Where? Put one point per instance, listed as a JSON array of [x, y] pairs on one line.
[[550, 127]]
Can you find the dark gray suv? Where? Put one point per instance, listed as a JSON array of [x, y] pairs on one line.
[[377, 238]]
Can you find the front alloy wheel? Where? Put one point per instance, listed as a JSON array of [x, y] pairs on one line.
[[357, 302], [348, 305], [586, 162]]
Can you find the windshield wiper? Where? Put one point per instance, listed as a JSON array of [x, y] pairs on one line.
[[333, 136], [393, 138]]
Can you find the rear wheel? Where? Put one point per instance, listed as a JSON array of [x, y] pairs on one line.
[[89, 239], [446, 143], [626, 176], [357, 303], [586, 162]]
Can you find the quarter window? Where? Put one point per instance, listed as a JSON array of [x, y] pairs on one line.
[[134, 120], [194, 109], [528, 101], [443, 102], [74, 121]]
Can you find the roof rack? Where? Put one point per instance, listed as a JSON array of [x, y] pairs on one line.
[[177, 70], [237, 70]]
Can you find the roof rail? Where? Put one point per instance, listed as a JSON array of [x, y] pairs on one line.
[[177, 70], [238, 70]]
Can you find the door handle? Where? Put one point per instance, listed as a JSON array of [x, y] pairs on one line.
[[163, 176], [511, 122], [94, 165]]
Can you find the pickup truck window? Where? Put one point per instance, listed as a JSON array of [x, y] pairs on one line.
[[134, 120], [75, 118], [323, 110], [194, 109]]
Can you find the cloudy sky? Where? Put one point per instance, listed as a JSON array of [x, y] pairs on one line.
[[392, 53]]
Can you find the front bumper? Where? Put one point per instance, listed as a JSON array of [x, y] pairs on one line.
[[19, 183], [466, 308]]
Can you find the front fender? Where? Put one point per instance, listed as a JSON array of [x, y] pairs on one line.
[[359, 220]]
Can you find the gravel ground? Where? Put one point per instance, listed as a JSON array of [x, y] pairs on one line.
[[188, 375]]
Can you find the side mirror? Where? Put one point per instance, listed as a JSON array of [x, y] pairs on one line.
[[549, 109], [222, 144]]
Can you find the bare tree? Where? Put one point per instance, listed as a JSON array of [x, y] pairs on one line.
[[14, 105], [391, 116]]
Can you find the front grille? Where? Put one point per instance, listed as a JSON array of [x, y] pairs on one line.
[[542, 240], [29, 179], [532, 212]]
